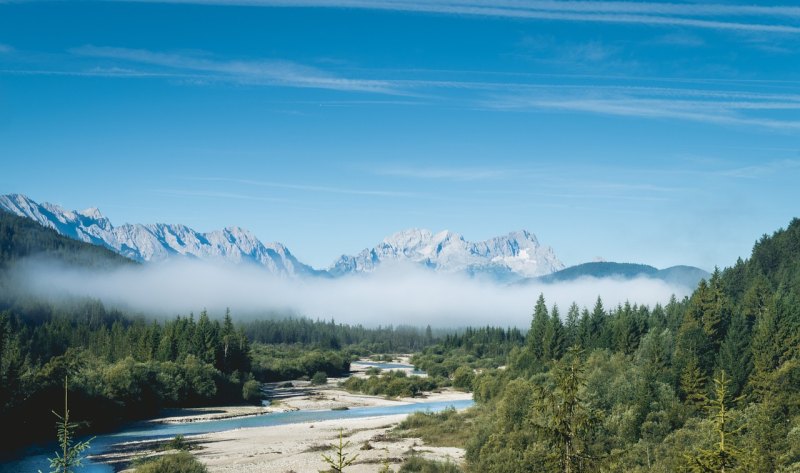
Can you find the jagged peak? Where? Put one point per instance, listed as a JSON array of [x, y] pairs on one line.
[[403, 237], [93, 213]]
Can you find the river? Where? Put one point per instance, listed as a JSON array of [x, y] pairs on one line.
[[35, 458]]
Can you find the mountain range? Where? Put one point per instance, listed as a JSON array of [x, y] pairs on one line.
[[517, 256]]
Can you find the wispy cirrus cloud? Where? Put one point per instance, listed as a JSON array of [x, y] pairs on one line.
[[743, 18], [763, 170], [719, 107], [451, 173], [214, 195], [269, 72], [4, 48], [715, 105], [307, 187]]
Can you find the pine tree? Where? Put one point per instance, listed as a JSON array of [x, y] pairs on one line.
[[597, 326], [554, 343], [693, 385], [571, 336], [567, 419], [735, 357], [70, 455], [340, 459], [715, 311], [536, 336], [724, 456]]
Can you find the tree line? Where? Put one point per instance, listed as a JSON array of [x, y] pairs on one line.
[[710, 383]]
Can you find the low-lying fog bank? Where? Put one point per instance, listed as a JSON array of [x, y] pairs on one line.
[[392, 295]]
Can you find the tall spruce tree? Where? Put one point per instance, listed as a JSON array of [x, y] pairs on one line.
[[536, 336]]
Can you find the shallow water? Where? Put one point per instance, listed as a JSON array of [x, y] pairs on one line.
[[35, 458], [389, 366]]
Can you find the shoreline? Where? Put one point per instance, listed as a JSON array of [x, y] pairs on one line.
[[298, 447]]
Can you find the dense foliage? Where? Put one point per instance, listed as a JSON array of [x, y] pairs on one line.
[[468, 350], [283, 362], [332, 336], [710, 383], [120, 368], [392, 383]]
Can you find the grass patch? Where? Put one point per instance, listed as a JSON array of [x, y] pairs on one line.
[[447, 428], [318, 448], [178, 442], [421, 465], [181, 462]]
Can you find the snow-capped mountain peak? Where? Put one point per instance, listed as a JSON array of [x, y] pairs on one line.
[[160, 241], [509, 257], [92, 212], [515, 255]]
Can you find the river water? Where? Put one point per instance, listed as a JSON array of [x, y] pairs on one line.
[[35, 458]]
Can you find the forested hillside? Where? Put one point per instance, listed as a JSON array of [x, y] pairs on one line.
[[21, 237], [707, 384]]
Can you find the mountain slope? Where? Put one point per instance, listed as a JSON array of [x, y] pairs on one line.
[[685, 275], [157, 242], [22, 238], [515, 255]]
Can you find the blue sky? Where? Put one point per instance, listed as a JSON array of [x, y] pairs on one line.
[[662, 133]]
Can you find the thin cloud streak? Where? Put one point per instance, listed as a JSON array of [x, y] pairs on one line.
[[763, 170], [452, 174], [305, 187], [720, 107], [704, 111], [651, 14], [281, 73], [215, 195]]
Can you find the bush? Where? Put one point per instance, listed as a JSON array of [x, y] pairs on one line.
[[182, 462], [463, 378], [416, 464], [177, 443], [319, 378], [391, 384], [251, 391], [447, 428]]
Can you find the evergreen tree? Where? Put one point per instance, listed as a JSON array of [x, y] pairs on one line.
[[564, 418], [724, 456], [70, 455], [597, 326], [571, 335], [734, 354], [554, 343], [693, 385], [536, 336]]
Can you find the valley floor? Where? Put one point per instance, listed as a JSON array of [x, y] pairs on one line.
[[299, 447]]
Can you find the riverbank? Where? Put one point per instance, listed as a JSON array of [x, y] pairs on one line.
[[298, 447]]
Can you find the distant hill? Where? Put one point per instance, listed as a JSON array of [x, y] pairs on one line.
[[22, 237], [685, 275]]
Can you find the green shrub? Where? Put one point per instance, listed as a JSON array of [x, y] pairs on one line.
[[416, 464], [463, 378], [319, 378], [251, 391], [182, 462]]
